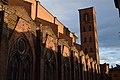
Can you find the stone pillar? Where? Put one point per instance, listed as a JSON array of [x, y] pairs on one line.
[[96, 75], [1, 23], [59, 63], [87, 70], [72, 65], [81, 68], [91, 71], [3, 47], [38, 54]]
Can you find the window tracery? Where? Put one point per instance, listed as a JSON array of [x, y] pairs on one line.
[[66, 68], [26, 70], [49, 66], [21, 46], [19, 62], [13, 66]]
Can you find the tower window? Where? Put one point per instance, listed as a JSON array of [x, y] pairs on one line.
[[90, 28], [85, 39], [90, 39], [86, 50], [86, 17], [84, 29], [91, 50]]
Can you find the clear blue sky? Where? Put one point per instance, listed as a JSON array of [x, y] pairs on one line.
[[108, 23]]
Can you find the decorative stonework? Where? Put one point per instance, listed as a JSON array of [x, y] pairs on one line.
[[20, 54], [66, 68], [49, 66], [66, 52], [21, 46]]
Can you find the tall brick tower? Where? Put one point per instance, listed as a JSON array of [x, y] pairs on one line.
[[88, 32]]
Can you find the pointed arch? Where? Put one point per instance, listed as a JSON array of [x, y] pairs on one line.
[[66, 68], [49, 65], [22, 53], [13, 68]]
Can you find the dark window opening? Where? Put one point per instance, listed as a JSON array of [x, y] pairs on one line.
[[19, 65], [86, 17], [90, 39], [49, 67], [90, 28], [91, 16], [26, 70], [91, 50], [115, 75], [13, 69], [66, 68], [86, 51], [85, 39], [84, 29]]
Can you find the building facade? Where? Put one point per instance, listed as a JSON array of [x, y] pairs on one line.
[[104, 71], [35, 45], [114, 73]]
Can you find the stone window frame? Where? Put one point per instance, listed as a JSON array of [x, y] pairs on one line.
[[21, 55]]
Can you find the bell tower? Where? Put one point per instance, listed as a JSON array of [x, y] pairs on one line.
[[88, 32]]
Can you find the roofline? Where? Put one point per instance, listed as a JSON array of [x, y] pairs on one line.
[[85, 8]]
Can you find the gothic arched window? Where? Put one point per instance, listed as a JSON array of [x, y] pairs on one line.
[[13, 68], [86, 17], [20, 51], [85, 51], [49, 66], [26, 70], [66, 68]]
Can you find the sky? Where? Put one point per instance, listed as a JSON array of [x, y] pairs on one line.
[[108, 25]]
